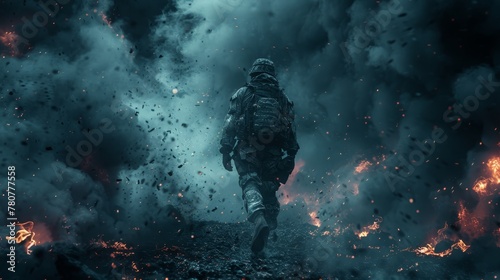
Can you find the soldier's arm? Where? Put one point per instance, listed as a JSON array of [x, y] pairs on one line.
[[291, 146], [229, 130]]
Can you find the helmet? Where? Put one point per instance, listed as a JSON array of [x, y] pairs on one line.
[[262, 65]]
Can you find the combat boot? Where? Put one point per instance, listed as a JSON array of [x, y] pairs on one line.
[[260, 234], [272, 222]]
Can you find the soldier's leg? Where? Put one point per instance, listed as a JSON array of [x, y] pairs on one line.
[[250, 184], [254, 202], [271, 203], [248, 167], [270, 185]]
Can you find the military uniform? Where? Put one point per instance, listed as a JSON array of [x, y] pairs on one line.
[[264, 157]]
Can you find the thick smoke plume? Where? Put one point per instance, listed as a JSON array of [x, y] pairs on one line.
[[111, 112]]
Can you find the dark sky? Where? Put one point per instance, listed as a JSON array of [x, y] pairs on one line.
[[393, 82]]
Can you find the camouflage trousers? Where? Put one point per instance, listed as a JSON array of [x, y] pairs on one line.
[[258, 181]]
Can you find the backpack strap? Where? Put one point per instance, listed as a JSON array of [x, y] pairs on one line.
[[246, 105]]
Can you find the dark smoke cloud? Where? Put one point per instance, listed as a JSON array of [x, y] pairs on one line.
[[369, 80]]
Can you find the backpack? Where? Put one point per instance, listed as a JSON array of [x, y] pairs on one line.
[[264, 110]]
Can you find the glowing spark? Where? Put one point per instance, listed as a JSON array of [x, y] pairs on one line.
[[120, 248], [134, 267]]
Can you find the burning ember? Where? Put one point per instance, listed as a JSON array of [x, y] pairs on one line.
[[118, 248], [109, 23], [369, 228], [484, 186], [105, 19], [430, 249], [25, 234], [362, 166]]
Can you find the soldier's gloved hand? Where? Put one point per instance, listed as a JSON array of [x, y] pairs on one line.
[[287, 164], [226, 161]]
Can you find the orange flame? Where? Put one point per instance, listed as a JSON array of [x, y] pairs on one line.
[[472, 223], [362, 166], [25, 234], [483, 186], [494, 166], [430, 248]]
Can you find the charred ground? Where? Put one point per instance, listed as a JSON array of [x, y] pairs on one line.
[[212, 250]]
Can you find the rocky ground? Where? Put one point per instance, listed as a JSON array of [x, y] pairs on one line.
[[210, 250]]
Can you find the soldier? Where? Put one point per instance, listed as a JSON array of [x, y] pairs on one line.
[[259, 131]]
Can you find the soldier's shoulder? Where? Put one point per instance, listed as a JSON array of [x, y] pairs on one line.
[[239, 93]]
